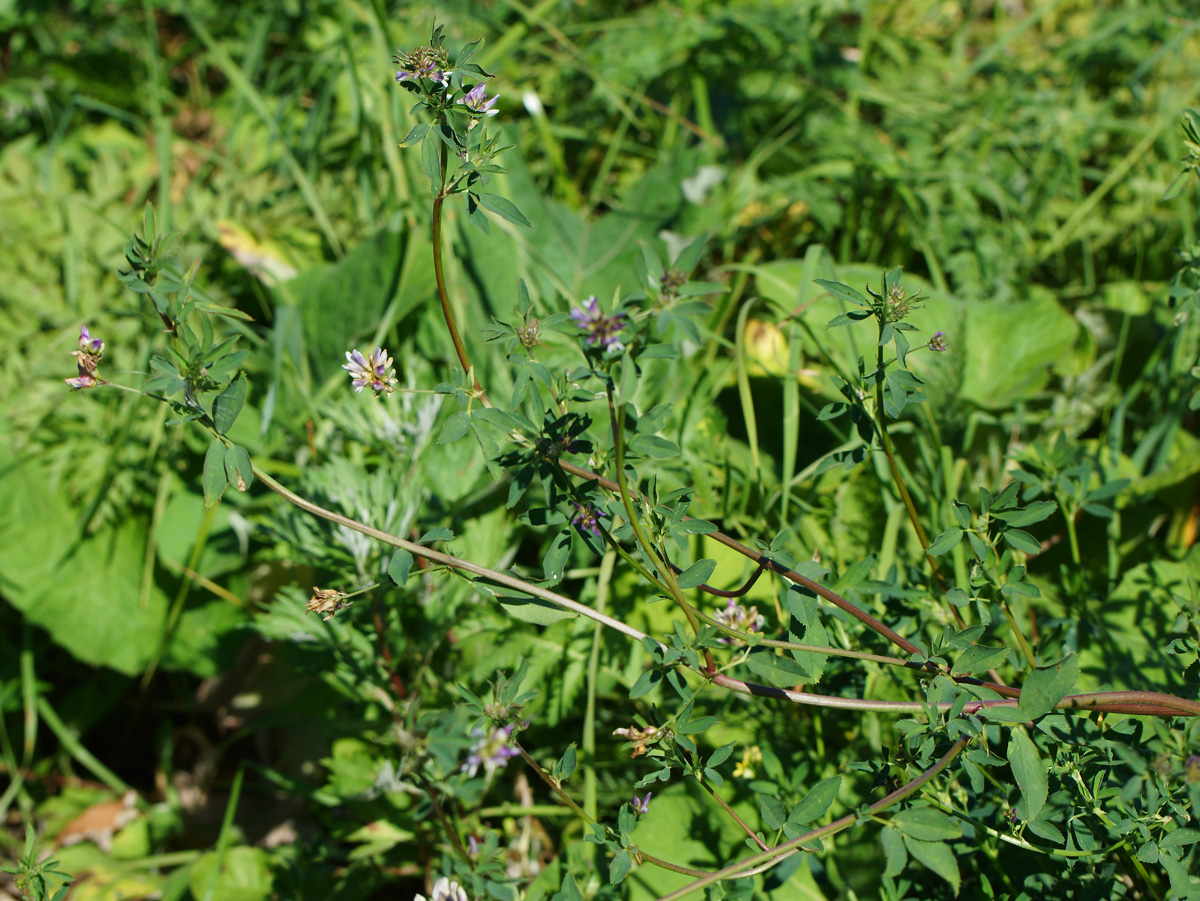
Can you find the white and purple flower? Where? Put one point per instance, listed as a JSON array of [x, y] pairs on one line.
[[477, 100], [375, 373]]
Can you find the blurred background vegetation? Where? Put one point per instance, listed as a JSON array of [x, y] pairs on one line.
[[1012, 157]]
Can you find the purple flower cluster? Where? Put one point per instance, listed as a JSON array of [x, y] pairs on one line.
[[587, 519], [491, 751], [424, 62], [601, 330], [737, 617]]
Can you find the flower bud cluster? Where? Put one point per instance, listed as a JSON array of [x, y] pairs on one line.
[[91, 350]]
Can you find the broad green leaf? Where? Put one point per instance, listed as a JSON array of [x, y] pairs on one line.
[[719, 756], [1180, 837], [1047, 685], [341, 304], [777, 670], [245, 875], [455, 427], [893, 849], [938, 857], [415, 135], [400, 566], [526, 608], [806, 614], [1181, 885], [556, 557], [1028, 771], [927, 824], [620, 867]]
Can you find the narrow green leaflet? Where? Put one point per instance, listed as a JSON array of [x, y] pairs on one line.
[[978, 659], [1180, 837], [844, 292], [816, 803], [945, 542], [238, 469], [772, 812], [1022, 541], [566, 764], [431, 162], [215, 478], [504, 208], [697, 573]]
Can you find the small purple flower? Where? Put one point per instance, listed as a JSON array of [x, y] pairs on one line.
[[641, 806], [89, 345], [491, 751], [587, 519], [937, 342], [375, 373], [601, 330], [737, 617], [477, 100], [1191, 768]]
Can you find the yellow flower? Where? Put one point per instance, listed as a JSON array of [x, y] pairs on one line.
[[744, 768]]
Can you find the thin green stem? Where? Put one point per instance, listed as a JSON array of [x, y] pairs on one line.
[[733, 813], [590, 803], [447, 826], [665, 572], [1018, 634], [885, 441], [553, 784]]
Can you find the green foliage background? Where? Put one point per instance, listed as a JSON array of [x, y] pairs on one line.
[[1012, 159]]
